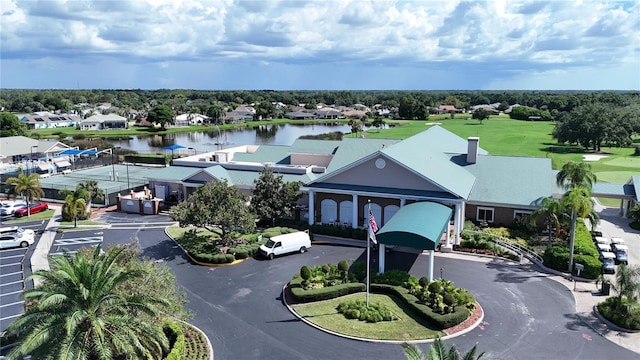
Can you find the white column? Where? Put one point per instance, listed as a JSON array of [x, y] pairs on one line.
[[430, 269], [311, 208], [457, 226], [381, 256], [354, 211], [448, 236], [403, 202]]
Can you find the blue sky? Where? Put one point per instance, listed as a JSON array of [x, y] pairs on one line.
[[320, 45]]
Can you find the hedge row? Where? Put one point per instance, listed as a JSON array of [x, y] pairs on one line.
[[585, 253], [214, 258], [331, 292], [176, 339], [339, 231], [442, 321]]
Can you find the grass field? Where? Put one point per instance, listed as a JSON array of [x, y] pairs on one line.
[[325, 315], [501, 135]]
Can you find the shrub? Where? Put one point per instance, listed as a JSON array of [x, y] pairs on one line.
[[357, 309], [435, 287], [358, 271], [610, 309], [305, 272], [301, 295], [176, 338], [391, 277], [424, 281]]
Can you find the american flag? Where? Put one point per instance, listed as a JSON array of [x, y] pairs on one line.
[[372, 222]]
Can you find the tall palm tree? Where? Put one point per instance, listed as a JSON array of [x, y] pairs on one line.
[[576, 174], [628, 283], [93, 191], [28, 186], [578, 201], [77, 313], [74, 206], [550, 210], [438, 351]]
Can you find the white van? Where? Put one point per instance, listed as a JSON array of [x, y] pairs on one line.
[[286, 243]]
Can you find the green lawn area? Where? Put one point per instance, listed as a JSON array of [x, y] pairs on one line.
[[45, 215], [325, 315]]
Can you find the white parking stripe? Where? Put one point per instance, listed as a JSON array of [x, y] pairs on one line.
[[11, 304], [11, 317], [11, 264], [11, 293], [12, 283], [11, 257]]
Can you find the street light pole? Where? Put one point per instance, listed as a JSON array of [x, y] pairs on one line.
[[113, 167], [128, 184], [29, 168]]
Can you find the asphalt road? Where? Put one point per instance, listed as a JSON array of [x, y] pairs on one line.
[[527, 316]]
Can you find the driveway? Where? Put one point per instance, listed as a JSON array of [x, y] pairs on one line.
[[612, 224], [527, 315]]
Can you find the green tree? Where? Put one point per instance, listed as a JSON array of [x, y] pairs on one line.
[[356, 126], [578, 202], [93, 192], [77, 313], [480, 114], [551, 211], [161, 114], [75, 205], [634, 214], [576, 174], [438, 351], [216, 205], [10, 125], [378, 122], [28, 186], [627, 284], [272, 198]]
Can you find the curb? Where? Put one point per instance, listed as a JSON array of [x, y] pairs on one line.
[[200, 262], [378, 341], [611, 325]]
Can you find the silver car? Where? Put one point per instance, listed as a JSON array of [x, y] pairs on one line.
[[10, 207], [16, 237]]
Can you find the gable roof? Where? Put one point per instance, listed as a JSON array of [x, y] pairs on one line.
[[352, 149], [444, 141]]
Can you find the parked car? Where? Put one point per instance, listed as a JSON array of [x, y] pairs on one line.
[[621, 253], [16, 237], [603, 247], [34, 208], [9, 207], [608, 262], [617, 240]]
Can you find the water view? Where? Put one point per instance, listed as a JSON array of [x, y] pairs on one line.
[[199, 141]]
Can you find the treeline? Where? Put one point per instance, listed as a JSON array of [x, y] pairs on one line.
[[410, 103]]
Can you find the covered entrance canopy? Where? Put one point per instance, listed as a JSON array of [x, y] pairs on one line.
[[417, 225]]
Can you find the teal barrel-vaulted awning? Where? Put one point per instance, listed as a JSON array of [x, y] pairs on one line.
[[417, 225]]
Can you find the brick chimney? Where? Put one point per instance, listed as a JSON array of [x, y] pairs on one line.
[[472, 149]]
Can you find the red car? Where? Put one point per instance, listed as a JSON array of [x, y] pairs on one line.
[[34, 208]]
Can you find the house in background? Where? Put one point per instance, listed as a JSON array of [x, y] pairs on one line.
[[104, 122], [47, 120]]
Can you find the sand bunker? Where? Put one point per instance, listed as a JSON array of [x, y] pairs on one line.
[[593, 157]]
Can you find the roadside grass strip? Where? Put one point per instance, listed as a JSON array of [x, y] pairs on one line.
[[324, 314]]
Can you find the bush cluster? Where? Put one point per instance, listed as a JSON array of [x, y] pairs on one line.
[[610, 309], [339, 231], [438, 302], [176, 338], [357, 309], [585, 253]]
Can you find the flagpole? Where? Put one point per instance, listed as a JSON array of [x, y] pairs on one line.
[[368, 247]]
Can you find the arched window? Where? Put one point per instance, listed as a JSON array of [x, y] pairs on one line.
[[376, 210], [328, 211], [389, 211], [346, 209]]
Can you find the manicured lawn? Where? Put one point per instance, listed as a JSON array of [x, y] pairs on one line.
[[177, 232], [325, 315], [45, 215]]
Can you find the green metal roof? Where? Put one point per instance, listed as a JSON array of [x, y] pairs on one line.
[[381, 190], [278, 154], [352, 149], [419, 155], [171, 173], [511, 180], [317, 147], [418, 225]]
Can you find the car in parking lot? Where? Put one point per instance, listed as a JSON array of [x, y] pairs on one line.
[[16, 237], [621, 253], [33, 208], [9, 207], [608, 262]]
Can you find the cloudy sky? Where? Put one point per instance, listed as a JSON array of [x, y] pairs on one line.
[[314, 45]]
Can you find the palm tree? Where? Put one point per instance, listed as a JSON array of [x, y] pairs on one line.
[[576, 174], [438, 351], [578, 201], [551, 211], [75, 205], [77, 313], [93, 192], [628, 283], [28, 186]]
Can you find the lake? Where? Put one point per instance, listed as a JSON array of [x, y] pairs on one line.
[[199, 141]]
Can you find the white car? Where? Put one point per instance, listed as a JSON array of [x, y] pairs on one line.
[[8, 208], [16, 237]]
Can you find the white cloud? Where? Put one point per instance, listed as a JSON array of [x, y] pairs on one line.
[[552, 35]]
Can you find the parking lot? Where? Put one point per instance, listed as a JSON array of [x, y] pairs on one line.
[[12, 283]]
